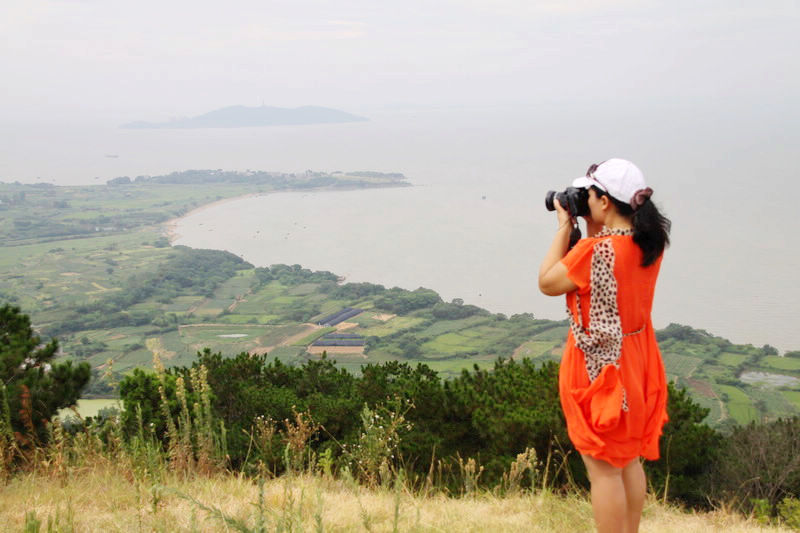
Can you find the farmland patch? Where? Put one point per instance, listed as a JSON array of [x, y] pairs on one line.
[[732, 359], [533, 349], [740, 407], [782, 363], [677, 365]]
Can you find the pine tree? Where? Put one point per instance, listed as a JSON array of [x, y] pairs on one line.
[[35, 387]]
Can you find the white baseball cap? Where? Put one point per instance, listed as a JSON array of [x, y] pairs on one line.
[[618, 177]]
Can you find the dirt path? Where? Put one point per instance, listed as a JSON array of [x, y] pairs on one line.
[[239, 299]]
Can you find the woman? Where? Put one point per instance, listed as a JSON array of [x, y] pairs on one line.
[[612, 384]]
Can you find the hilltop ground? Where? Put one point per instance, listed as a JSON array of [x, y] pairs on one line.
[[105, 499]]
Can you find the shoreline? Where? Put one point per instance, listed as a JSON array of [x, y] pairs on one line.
[[170, 227]]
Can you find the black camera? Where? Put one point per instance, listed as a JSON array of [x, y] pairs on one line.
[[575, 200]]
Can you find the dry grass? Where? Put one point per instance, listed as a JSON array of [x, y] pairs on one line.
[[103, 499]]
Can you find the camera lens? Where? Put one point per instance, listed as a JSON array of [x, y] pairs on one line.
[[548, 200]]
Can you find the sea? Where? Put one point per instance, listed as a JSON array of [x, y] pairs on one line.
[[473, 224]]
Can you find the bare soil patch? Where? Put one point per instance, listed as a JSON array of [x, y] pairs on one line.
[[383, 317], [518, 352], [239, 299], [317, 350], [701, 387], [558, 351], [345, 325]]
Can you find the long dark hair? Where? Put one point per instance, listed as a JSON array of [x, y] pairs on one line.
[[650, 227]]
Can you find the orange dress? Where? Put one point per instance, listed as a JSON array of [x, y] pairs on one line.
[[617, 415]]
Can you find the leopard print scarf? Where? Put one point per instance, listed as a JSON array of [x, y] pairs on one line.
[[603, 346]]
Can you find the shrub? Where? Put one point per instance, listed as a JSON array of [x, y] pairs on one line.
[[688, 449], [760, 461]]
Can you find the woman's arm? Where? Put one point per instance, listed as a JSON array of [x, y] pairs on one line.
[[553, 279]]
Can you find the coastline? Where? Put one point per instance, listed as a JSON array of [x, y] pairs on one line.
[[170, 227]]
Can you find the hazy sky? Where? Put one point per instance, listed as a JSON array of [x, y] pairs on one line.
[[155, 60]]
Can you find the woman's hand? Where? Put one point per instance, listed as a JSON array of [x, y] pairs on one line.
[[563, 215]]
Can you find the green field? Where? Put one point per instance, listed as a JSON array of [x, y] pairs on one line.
[[781, 363], [463, 342], [677, 365], [393, 325], [740, 406], [793, 397], [307, 340], [447, 326], [772, 402], [87, 407], [558, 333], [732, 359], [537, 348], [715, 415]]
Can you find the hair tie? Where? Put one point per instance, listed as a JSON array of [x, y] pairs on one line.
[[640, 197]]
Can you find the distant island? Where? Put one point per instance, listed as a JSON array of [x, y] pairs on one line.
[[239, 116]]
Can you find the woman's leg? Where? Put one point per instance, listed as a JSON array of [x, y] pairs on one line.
[[609, 500], [635, 482]]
